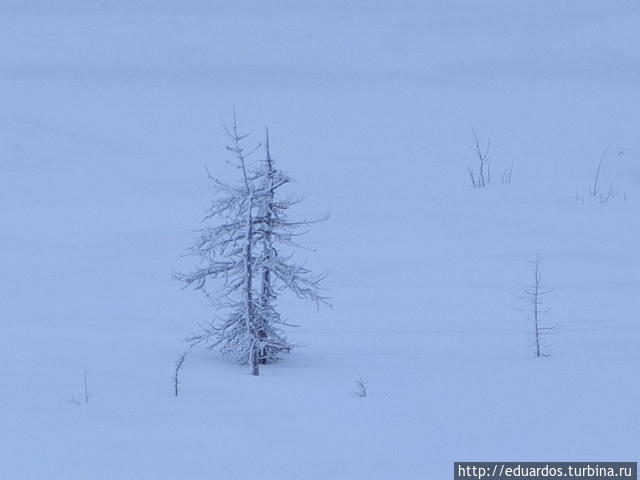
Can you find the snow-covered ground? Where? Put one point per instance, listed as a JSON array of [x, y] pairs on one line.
[[109, 112]]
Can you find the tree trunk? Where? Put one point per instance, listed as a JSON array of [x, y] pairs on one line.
[[250, 314], [265, 297], [255, 369]]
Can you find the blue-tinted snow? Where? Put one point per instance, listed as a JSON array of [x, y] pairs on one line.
[[109, 112]]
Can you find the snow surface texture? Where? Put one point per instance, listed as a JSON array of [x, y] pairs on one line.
[[110, 111]]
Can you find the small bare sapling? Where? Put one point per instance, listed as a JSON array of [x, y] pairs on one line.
[[361, 388], [86, 395], [506, 176], [595, 192], [176, 373], [481, 177], [534, 296]]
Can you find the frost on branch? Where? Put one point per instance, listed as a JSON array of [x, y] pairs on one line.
[[246, 259]]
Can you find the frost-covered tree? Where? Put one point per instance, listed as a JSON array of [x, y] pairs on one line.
[[243, 269], [276, 231]]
